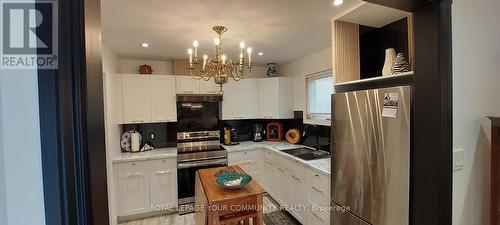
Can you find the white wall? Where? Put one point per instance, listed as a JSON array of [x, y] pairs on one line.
[[21, 187], [112, 106], [476, 87], [300, 68], [159, 66]]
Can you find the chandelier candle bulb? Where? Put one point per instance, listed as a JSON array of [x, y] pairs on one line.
[[249, 51], [223, 57], [190, 52], [205, 57], [242, 46], [217, 41], [195, 45]]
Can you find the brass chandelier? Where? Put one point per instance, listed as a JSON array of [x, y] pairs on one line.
[[221, 68]]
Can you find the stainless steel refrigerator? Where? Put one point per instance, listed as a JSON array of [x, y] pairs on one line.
[[371, 157]]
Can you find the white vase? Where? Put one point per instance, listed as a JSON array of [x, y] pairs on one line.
[[390, 55]]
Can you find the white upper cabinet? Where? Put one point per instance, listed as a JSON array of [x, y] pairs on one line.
[[187, 85], [209, 87], [148, 98], [275, 98], [163, 100], [240, 100], [136, 97]]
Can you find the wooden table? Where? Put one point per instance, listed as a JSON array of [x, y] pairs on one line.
[[216, 204], [495, 170]]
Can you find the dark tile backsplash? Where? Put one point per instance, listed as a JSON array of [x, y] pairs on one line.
[[245, 128], [165, 134]]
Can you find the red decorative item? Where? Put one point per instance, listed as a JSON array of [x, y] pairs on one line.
[[145, 69], [274, 131]]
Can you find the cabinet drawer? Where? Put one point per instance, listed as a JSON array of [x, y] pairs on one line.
[[170, 163], [292, 165], [319, 218], [318, 187], [234, 157]]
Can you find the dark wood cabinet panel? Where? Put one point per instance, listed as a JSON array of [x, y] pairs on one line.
[[495, 170]]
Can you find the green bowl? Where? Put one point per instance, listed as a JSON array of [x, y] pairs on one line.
[[225, 177]]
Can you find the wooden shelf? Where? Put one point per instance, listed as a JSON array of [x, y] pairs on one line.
[[376, 82]]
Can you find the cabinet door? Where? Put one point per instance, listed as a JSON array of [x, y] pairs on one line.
[[136, 98], [267, 175], [241, 100], [163, 184], [187, 85], [283, 189], [286, 98], [298, 197], [268, 98], [133, 188], [163, 100], [209, 87]]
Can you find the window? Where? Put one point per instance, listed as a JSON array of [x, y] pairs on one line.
[[319, 90]]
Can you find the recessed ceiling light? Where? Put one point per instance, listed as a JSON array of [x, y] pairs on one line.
[[145, 45], [337, 2], [261, 53]]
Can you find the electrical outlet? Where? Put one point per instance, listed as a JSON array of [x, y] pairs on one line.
[[152, 136], [458, 159]]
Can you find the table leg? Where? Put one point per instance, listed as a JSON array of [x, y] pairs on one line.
[[213, 218], [260, 217]]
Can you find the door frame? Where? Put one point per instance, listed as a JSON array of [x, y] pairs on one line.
[[72, 117], [72, 120]]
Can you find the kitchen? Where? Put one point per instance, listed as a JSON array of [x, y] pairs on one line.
[[164, 122]]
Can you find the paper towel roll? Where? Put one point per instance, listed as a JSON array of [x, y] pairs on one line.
[[135, 142]]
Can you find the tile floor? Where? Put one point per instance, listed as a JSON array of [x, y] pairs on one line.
[[188, 219]]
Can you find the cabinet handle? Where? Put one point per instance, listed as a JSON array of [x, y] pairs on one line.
[[246, 162], [268, 117], [317, 189], [282, 170], [187, 92], [317, 216], [295, 177], [163, 120], [135, 175], [238, 117], [137, 121], [163, 171]]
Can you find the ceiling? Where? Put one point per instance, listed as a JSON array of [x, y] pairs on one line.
[[284, 30]]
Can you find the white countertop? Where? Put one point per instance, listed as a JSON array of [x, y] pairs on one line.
[[320, 165], [158, 153]]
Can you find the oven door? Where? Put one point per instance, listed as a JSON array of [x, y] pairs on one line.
[[186, 175]]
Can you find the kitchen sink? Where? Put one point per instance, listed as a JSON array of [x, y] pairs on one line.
[[307, 153]]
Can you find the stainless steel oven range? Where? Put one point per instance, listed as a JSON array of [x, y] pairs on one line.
[[196, 150]]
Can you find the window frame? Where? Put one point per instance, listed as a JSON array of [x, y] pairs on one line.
[[307, 118]]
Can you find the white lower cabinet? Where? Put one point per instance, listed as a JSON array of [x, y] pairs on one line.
[[144, 186], [250, 162], [133, 188], [163, 184], [298, 198], [318, 195], [289, 182]]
